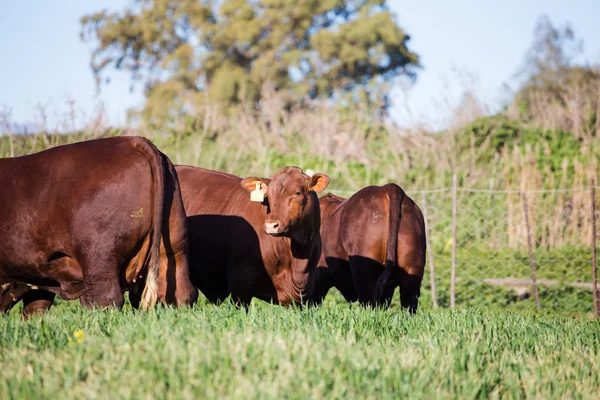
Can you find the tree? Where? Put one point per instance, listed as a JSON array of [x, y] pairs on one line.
[[187, 52], [552, 49], [558, 93]]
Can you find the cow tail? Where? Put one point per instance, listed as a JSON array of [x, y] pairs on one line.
[[150, 293], [395, 199]]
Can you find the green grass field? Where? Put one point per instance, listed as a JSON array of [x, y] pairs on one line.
[[336, 351]]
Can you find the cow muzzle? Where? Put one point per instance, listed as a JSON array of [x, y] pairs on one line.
[[275, 227]]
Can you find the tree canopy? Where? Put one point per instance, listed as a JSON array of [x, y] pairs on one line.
[[186, 52]]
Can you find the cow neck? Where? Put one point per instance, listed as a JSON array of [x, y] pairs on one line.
[[302, 254], [300, 273], [302, 249]]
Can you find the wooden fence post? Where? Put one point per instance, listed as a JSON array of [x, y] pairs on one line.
[[594, 265], [453, 271], [530, 246], [429, 251]]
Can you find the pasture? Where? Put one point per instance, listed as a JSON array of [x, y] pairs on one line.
[[335, 351]]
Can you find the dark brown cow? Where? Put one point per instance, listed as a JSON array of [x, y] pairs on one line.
[[252, 249], [372, 242], [86, 221]]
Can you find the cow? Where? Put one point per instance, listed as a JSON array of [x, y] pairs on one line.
[[373, 242], [91, 220], [247, 249]]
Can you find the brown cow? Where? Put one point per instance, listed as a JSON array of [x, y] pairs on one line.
[[372, 242], [252, 249], [86, 220]]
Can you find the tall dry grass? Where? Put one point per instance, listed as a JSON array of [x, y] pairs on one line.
[[357, 150]]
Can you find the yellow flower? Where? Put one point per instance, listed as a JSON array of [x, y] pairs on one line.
[[78, 335], [448, 244]]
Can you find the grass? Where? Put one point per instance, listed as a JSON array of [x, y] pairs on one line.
[[336, 351]]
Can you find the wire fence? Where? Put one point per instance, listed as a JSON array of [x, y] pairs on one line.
[[526, 249]]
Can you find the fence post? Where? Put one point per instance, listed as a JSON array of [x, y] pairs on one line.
[[453, 271], [530, 246], [594, 265], [429, 251]]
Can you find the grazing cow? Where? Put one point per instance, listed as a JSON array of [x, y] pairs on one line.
[[372, 242], [86, 221], [263, 248]]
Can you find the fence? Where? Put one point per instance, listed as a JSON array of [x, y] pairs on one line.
[[525, 249]]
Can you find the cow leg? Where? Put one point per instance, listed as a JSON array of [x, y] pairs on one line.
[[410, 290], [174, 284], [319, 284], [10, 295], [101, 282], [7, 301], [135, 297], [36, 302], [242, 302], [365, 272], [341, 273], [386, 301], [245, 280], [386, 282]]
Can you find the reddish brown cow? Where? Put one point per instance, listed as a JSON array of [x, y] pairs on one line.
[[86, 221], [248, 249], [372, 242]]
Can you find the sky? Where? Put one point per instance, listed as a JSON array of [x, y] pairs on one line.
[[462, 44]]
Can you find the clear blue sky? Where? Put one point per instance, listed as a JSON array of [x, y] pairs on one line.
[[42, 59]]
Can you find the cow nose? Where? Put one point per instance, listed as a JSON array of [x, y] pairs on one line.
[[272, 227]]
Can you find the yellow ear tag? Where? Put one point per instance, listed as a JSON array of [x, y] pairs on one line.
[[257, 194]]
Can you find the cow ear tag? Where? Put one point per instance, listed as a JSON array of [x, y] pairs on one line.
[[257, 194]]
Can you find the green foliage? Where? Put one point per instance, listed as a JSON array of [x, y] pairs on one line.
[[492, 133], [473, 293], [495, 139], [230, 50]]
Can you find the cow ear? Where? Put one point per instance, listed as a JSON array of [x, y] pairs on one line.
[[250, 184], [319, 182]]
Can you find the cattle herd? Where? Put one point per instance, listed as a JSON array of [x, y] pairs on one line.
[[96, 219]]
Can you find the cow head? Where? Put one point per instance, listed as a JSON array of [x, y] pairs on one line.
[[293, 202]]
